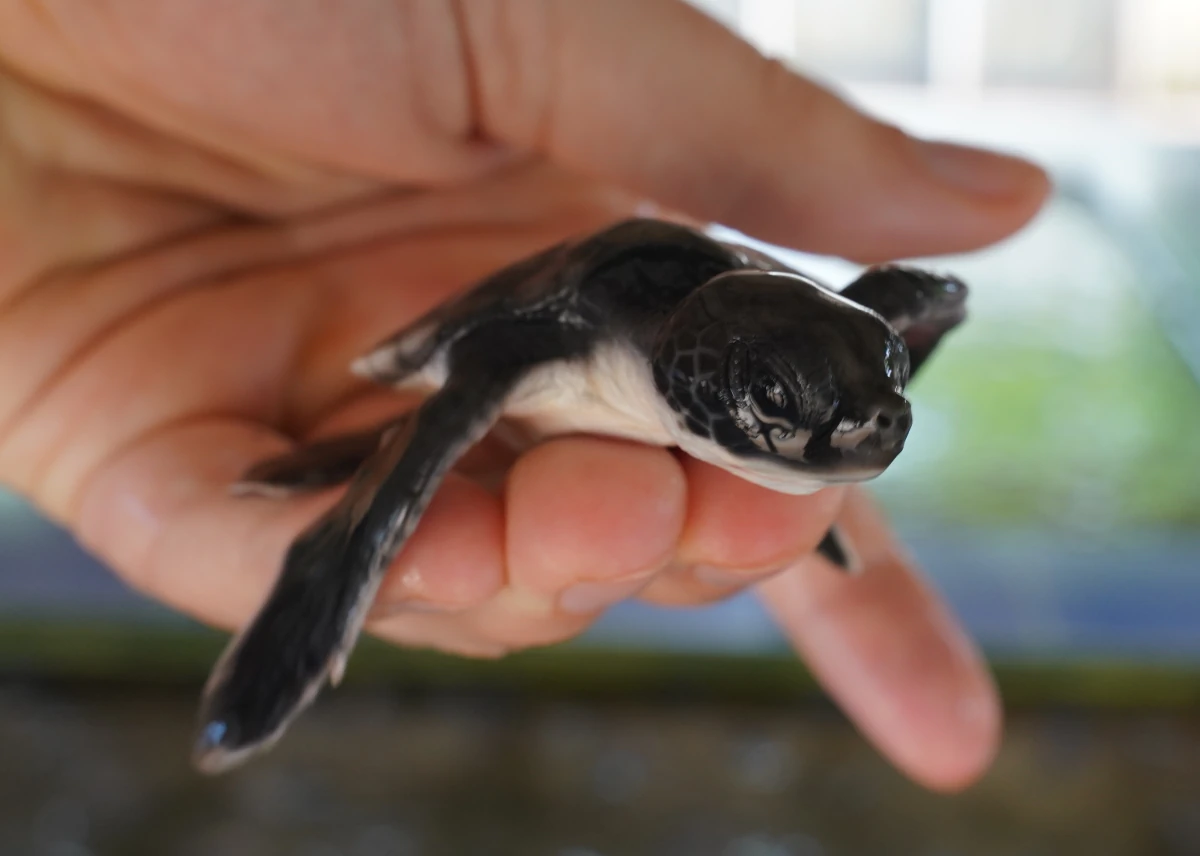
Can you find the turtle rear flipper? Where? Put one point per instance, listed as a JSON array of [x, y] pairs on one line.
[[312, 617], [325, 463]]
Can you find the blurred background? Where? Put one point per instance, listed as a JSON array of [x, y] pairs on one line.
[[1051, 489]]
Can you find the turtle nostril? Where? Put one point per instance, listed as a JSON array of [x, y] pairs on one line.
[[891, 420]]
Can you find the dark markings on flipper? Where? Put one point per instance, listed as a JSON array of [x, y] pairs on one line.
[[322, 464], [922, 306], [836, 549], [311, 619]]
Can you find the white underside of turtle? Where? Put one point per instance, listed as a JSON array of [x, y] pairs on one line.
[[610, 393]]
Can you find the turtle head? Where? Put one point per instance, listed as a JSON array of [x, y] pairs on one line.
[[784, 382]]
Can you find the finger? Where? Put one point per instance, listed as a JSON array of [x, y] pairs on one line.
[[511, 620], [161, 514], [658, 98], [455, 559], [612, 511], [590, 521], [737, 533], [884, 646], [282, 100]]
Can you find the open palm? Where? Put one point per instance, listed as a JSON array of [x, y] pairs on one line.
[[207, 210]]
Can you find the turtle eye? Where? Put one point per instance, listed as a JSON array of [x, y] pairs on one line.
[[770, 399]]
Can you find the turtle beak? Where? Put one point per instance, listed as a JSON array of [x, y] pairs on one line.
[[877, 439], [867, 444]]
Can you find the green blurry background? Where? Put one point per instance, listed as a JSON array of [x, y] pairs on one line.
[[1051, 488]]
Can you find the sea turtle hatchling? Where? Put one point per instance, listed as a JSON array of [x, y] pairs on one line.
[[647, 330]]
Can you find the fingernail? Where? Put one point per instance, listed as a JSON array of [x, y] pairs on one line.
[[976, 709], [583, 598], [976, 170], [730, 578], [719, 577]]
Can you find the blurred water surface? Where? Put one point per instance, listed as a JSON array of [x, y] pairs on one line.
[[369, 775]]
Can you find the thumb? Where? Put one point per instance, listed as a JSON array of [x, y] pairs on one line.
[[656, 97]]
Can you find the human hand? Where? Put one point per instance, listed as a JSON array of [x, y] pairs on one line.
[[207, 210]]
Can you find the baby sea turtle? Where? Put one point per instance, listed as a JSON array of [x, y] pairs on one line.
[[647, 330]]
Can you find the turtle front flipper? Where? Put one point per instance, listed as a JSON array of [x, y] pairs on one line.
[[921, 306], [325, 463], [311, 619]]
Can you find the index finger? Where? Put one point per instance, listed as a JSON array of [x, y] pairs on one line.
[[885, 646], [658, 98]]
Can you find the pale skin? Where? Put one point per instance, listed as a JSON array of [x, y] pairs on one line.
[[208, 209]]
